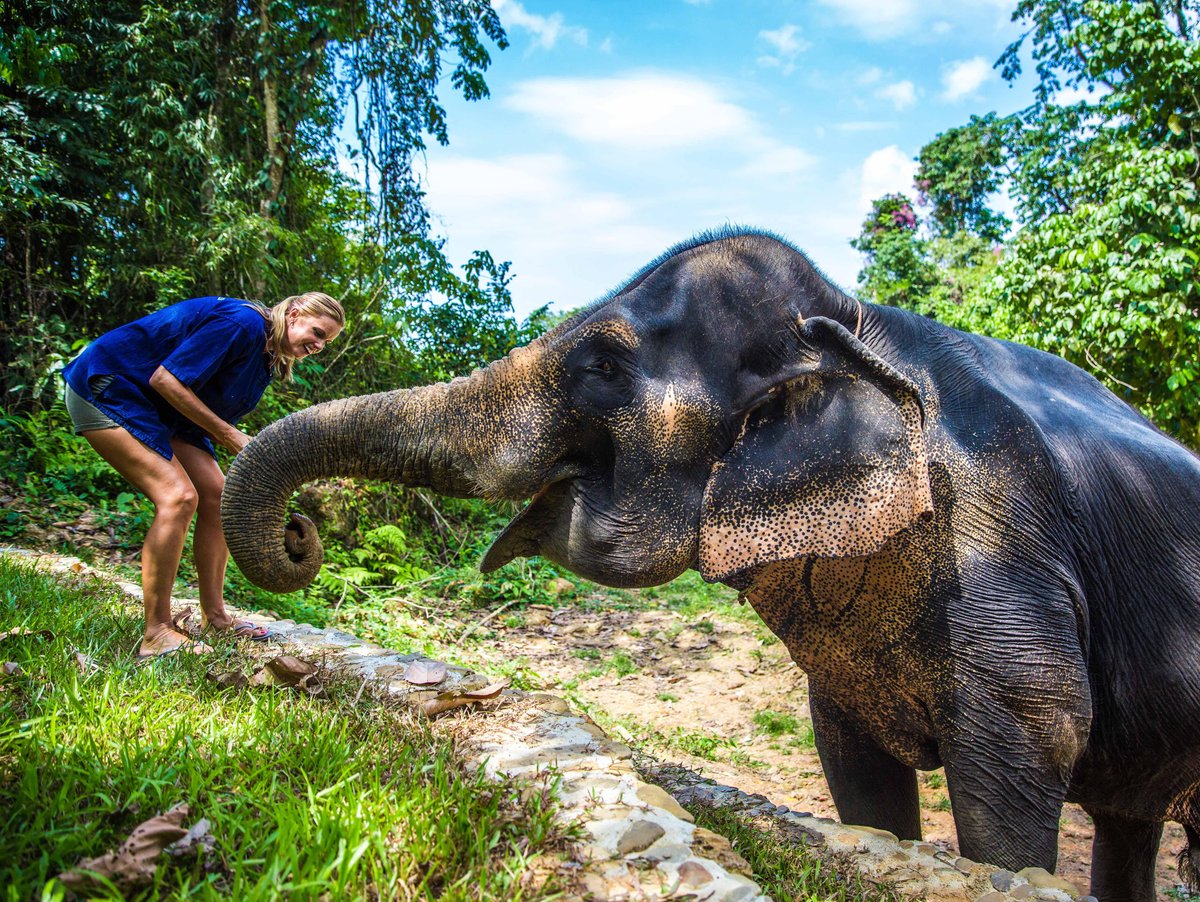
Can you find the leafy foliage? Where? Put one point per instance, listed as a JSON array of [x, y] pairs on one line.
[[896, 271], [956, 174], [1112, 285], [155, 153], [1102, 266]]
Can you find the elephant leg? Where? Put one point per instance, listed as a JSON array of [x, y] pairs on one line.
[[1123, 857], [869, 786], [1006, 808]]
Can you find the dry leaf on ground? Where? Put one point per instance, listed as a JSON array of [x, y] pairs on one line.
[[85, 664], [132, 865], [232, 679], [289, 670], [26, 631], [10, 668], [180, 622], [425, 673], [445, 701], [199, 841]]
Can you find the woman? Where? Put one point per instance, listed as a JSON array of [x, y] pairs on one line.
[[152, 396]]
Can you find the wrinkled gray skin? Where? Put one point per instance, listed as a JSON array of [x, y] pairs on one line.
[[982, 559]]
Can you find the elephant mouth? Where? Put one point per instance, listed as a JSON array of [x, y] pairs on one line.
[[523, 536]]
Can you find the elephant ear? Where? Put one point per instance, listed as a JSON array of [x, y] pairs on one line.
[[831, 460]]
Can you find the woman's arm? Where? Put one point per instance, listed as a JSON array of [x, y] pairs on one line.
[[185, 401]]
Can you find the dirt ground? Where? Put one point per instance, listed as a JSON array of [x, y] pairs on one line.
[[688, 689]]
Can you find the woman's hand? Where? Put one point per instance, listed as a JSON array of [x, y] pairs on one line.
[[234, 440], [185, 401]]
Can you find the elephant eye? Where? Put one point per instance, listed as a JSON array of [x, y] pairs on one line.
[[602, 367]]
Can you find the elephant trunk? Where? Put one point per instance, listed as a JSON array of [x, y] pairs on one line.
[[402, 436]]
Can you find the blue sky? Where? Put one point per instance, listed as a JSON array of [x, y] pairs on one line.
[[616, 129]]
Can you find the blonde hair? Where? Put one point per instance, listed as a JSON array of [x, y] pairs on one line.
[[311, 303]]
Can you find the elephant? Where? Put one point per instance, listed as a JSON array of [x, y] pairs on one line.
[[982, 558]]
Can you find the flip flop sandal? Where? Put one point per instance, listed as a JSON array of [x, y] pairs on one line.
[[244, 629], [188, 648]]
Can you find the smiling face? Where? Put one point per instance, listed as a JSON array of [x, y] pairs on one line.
[[308, 334]]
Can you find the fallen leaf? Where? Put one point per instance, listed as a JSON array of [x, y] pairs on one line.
[[288, 670], [262, 677], [10, 668], [445, 701], [312, 685], [85, 664], [490, 691], [25, 631], [425, 673], [180, 622], [132, 864], [230, 680], [199, 841], [77, 567]]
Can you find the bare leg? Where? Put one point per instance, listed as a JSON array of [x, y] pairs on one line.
[[167, 486], [208, 540]]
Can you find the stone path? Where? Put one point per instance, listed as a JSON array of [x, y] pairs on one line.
[[639, 842]]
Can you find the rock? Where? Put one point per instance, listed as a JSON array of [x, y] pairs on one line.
[[1024, 891], [718, 848], [1003, 880], [549, 703], [991, 897], [692, 873], [660, 798], [1043, 879], [639, 837], [616, 750]]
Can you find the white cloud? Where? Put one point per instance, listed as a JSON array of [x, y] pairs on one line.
[[539, 208], [870, 75], [787, 45], [546, 30], [886, 171], [963, 78], [768, 157], [921, 20], [632, 111], [876, 18], [902, 94]]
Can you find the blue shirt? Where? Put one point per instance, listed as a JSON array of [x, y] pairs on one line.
[[216, 346]]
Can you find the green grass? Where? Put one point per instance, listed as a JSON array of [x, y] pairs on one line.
[[307, 798], [774, 723], [784, 867]]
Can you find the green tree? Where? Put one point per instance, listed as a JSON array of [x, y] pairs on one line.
[[958, 171], [159, 152], [1106, 274], [897, 271]]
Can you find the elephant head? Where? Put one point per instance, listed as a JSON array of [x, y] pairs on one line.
[[719, 411]]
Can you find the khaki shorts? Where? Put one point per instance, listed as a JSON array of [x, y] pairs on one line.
[[85, 416]]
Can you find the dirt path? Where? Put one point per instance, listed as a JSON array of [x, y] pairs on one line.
[[690, 689]]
